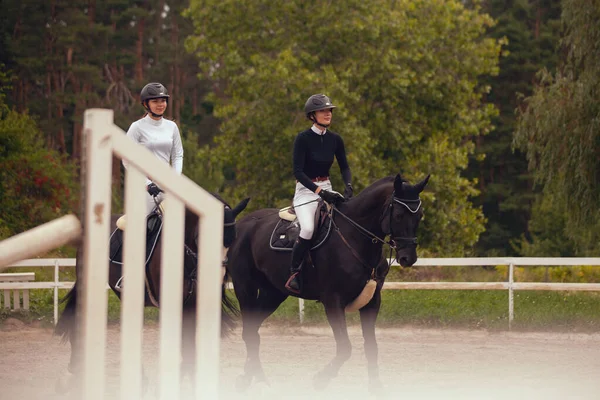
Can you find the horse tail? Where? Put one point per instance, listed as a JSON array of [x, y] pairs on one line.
[[229, 309], [66, 323]]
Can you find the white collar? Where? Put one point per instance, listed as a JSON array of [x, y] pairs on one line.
[[152, 121], [316, 130]]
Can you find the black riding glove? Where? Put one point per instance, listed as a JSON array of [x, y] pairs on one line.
[[331, 197], [153, 190], [349, 191]]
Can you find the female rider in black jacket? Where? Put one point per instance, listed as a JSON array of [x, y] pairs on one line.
[[314, 150]]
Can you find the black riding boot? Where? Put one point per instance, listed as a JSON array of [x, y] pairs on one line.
[[294, 283]]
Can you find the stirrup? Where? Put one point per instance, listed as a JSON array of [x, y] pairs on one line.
[[118, 285], [287, 284]]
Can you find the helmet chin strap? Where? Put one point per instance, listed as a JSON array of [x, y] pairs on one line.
[[314, 119], [147, 107]]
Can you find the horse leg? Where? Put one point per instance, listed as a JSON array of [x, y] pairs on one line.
[[188, 345], [68, 328], [368, 316], [337, 319], [68, 381], [254, 312]]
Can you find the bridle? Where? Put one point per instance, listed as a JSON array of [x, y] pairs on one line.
[[413, 206], [395, 242], [225, 225], [228, 224]]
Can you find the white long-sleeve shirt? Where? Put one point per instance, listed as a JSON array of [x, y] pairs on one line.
[[161, 137]]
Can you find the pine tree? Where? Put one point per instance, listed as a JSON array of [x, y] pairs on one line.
[[504, 182]]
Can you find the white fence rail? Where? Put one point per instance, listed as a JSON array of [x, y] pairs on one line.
[[16, 293], [509, 285]]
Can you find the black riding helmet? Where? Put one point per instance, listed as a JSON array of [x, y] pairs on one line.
[[317, 102], [153, 90]]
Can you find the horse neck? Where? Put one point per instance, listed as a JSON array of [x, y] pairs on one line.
[[191, 225], [367, 208]]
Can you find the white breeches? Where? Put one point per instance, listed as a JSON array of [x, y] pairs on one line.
[[306, 212]]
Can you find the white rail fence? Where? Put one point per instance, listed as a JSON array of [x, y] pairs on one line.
[[510, 285], [16, 293]]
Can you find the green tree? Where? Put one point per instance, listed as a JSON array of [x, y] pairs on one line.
[[36, 183], [405, 77], [506, 195], [559, 127]]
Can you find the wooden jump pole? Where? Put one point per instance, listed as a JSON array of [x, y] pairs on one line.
[[39, 240]]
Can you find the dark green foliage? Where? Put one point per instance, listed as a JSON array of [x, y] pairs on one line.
[[559, 129], [36, 184], [405, 77], [532, 32], [413, 80]]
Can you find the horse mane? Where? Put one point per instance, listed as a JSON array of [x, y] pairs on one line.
[[377, 185], [218, 197], [192, 218]]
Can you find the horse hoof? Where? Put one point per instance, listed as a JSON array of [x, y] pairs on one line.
[[376, 388], [64, 384], [145, 384], [262, 389], [243, 382], [320, 382]]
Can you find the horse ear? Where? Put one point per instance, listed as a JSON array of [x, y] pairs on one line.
[[398, 184], [240, 207], [421, 185]]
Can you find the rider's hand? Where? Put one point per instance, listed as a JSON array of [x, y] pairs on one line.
[[331, 197], [349, 191], [153, 190]]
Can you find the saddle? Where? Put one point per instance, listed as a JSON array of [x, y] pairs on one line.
[[287, 229], [122, 221], [153, 230], [154, 225]]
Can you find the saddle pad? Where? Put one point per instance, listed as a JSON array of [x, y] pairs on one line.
[[285, 234], [153, 230]]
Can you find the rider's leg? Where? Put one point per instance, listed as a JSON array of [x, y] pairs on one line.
[[298, 252], [305, 211], [150, 205]]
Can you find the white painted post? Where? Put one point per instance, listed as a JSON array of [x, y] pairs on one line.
[[208, 323], [55, 291], [301, 309], [511, 303], [6, 298], [171, 298], [93, 307], [26, 299], [16, 300], [132, 297]]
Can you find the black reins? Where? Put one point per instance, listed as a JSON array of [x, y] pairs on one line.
[[393, 242]]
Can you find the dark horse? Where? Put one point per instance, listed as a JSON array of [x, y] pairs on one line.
[[66, 324], [352, 255]]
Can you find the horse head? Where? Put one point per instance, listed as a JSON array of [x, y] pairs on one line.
[[230, 214], [229, 226], [401, 218]]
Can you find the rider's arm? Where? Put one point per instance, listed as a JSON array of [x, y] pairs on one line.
[[300, 145], [134, 134], [340, 155], [177, 151]]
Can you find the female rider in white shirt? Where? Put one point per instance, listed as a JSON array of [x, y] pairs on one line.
[[159, 135]]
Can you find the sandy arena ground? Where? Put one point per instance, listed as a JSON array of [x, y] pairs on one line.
[[414, 364]]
